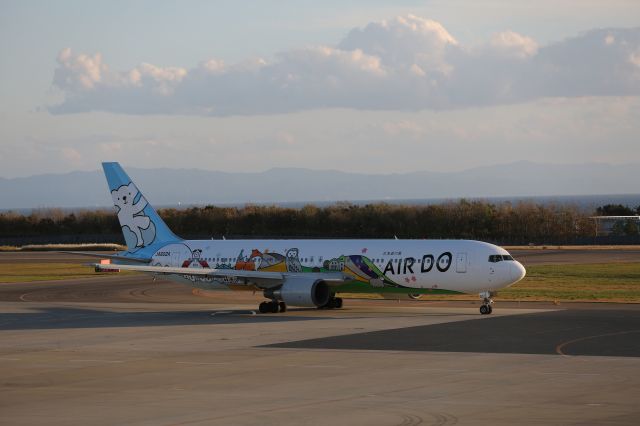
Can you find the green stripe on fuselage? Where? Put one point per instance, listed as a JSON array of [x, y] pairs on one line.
[[360, 287]]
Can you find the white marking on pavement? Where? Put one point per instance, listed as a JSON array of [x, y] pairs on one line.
[[202, 363], [439, 369], [569, 374], [315, 365]]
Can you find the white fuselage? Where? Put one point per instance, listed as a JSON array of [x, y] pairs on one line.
[[408, 266]]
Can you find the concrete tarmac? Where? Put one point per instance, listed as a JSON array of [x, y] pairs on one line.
[[128, 350]]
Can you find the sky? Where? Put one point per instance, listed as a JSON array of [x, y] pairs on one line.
[[361, 86]]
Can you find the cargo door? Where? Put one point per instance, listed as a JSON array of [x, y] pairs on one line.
[[461, 262]]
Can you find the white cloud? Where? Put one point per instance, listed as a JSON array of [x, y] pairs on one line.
[[406, 63], [514, 43], [404, 41], [161, 80], [78, 72]]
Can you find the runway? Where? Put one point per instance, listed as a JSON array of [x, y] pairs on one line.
[[128, 350]]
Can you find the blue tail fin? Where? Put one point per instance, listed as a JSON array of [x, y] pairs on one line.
[[140, 223]]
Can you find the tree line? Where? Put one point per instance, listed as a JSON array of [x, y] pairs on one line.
[[505, 223]]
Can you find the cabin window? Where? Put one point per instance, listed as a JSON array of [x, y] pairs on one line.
[[507, 257], [495, 258]]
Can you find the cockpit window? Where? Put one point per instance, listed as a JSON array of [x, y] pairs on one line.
[[499, 258]]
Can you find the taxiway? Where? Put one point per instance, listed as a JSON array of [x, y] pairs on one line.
[[128, 350]]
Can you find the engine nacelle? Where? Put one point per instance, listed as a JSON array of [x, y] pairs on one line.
[[303, 292]]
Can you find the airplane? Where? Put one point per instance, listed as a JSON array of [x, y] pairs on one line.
[[304, 273]]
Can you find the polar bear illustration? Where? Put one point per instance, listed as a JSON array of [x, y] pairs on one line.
[[139, 231]]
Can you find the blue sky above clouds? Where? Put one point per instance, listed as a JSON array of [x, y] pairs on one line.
[[370, 86]]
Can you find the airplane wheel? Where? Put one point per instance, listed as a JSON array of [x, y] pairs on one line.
[[338, 302], [274, 307], [264, 307], [490, 309], [484, 310], [283, 307]]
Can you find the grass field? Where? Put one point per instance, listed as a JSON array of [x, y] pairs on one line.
[[26, 272], [612, 282], [65, 247], [587, 282]]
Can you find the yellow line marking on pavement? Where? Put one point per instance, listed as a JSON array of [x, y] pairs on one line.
[[561, 346]]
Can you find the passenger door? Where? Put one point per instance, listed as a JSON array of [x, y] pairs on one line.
[[461, 262]]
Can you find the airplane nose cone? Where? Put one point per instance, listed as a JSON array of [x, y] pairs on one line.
[[517, 271]]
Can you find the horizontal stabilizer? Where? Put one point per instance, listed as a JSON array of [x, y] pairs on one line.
[[109, 256]]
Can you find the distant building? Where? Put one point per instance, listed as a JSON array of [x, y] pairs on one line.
[[607, 225]]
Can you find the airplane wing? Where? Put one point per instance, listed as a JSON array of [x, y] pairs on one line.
[[258, 278]]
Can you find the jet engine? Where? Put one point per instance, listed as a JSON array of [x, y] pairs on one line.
[[303, 292]]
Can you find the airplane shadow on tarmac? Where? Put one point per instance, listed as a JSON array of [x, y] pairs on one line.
[[566, 332], [61, 318]]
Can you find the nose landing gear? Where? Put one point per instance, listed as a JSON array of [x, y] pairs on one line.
[[485, 308]]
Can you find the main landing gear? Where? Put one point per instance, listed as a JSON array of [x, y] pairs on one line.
[[272, 307], [485, 308], [332, 303]]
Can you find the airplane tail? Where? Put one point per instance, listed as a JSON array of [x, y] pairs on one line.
[[141, 225]]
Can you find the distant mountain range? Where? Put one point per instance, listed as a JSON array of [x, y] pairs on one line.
[[169, 187]]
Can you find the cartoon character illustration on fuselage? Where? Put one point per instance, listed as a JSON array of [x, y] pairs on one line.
[[293, 262], [272, 262], [244, 264]]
